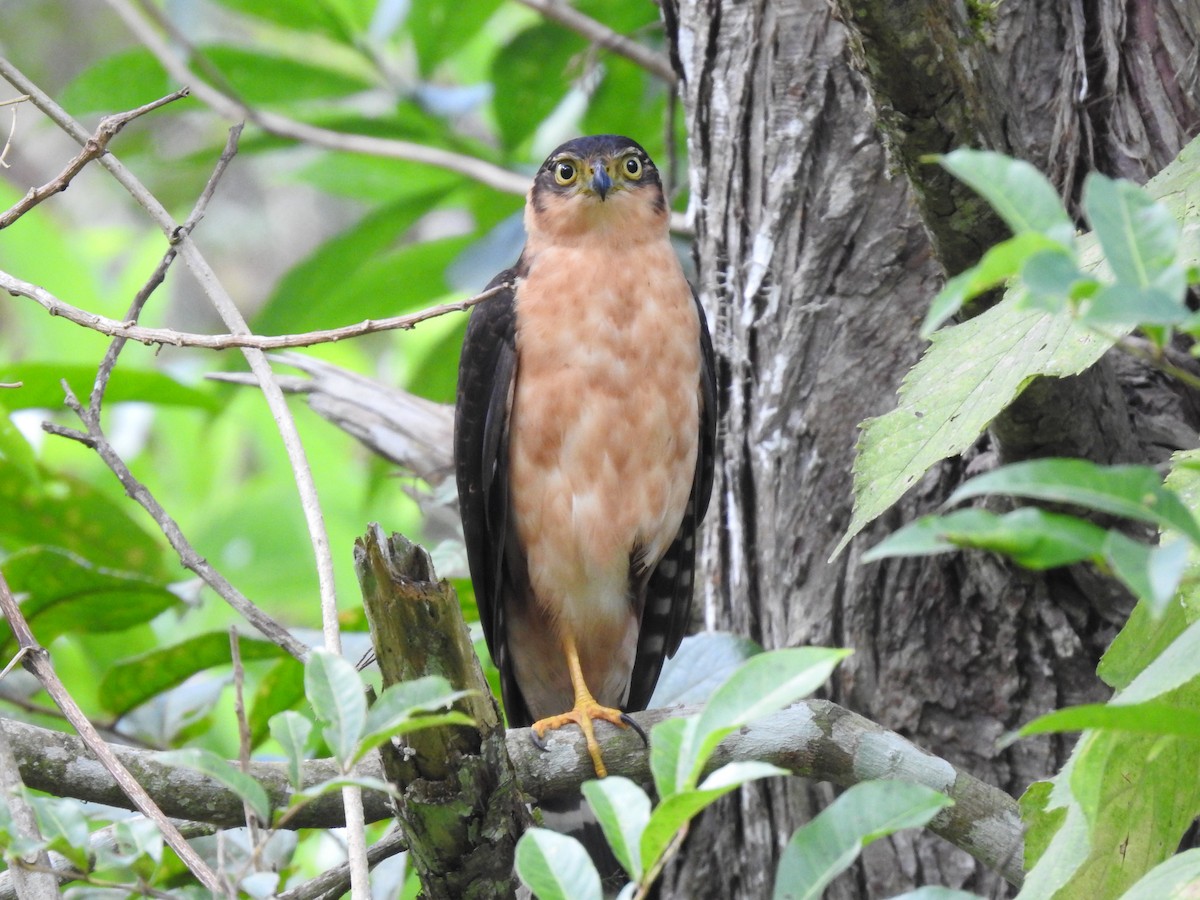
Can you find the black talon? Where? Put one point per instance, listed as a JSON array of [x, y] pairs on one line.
[[537, 740], [628, 720]]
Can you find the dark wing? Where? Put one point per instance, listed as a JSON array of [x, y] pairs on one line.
[[486, 372], [668, 587]]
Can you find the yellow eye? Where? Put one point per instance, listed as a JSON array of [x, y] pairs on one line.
[[565, 172], [633, 167]]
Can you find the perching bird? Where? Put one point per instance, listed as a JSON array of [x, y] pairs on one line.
[[584, 439]]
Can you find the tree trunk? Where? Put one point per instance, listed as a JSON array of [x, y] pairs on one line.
[[817, 266]]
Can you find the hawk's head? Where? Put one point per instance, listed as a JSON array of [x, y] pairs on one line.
[[594, 183]]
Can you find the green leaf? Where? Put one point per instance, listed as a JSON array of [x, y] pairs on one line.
[[937, 893], [224, 772], [1177, 665], [556, 867], [1151, 573], [399, 711], [970, 373], [439, 30], [335, 785], [122, 81], [291, 731], [1140, 237], [680, 808], [68, 594], [335, 690], [64, 828], [1135, 492], [63, 512], [280, 688], [42, 387], [134, 681], [1121, 306], [622, 808], [824, 848], [1051, 277], [1022, 195], [342, 21], [667, 762], [997, 266], [1033, 537], [764, 684], [265, 78], [1176, 879], [1143, 718], [530, 77]]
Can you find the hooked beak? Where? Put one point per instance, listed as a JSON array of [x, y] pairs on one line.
[[601, 182]]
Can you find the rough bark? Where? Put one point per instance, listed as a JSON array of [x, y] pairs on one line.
[[816, 268]]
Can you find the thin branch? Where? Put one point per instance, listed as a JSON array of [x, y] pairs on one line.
[[166, 53], [335, 882], [96, 439], [234, 321], [12, 129], [31, 883], [168, 337], [571, 18], [37, 661], [160, 273], [94, 148]]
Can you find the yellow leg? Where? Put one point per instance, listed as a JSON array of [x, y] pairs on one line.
[[585, 710]]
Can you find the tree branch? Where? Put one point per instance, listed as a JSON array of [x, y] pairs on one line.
[[813, 739], [597, 33], [169, 337], [94, 148], [37, 660], [493, 176]]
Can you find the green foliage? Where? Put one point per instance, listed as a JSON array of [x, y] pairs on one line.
[[643, 835], [1056, 320], [1108, 824]]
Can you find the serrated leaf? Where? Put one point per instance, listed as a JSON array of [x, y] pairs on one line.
[[556, 867], [224, 772], [1022, 195], [1136, 492], [974, 370], [1140, 238], [622, 808], [1176, 879], [134, 681], [292, 731], [821, 850], [68, 594], [335, 690], [764, 684]]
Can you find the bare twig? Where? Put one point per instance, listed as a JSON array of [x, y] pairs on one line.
[[37, 661], [168, 337], [229, 313], [93, 148], [12, 129], [188, 557], [484, 172], [334, 882], [160, 273], [594, 31]]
